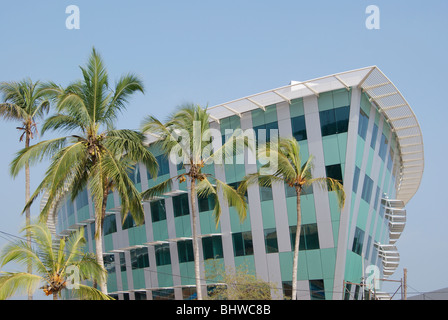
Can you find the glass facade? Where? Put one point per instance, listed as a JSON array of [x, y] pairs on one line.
[[366, 162]]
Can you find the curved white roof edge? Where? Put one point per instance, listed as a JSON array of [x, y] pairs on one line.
[[381, 91]]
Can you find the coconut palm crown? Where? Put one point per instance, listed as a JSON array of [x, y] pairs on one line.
[[96, 155], [186, 135], [25, 102], [58, 267]]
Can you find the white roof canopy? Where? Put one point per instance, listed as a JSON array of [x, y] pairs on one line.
[[381, 91]]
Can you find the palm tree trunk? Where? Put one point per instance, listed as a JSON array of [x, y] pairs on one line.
[[99, 219], [28, 210], [296, 246], [55, 296], [197, 271]]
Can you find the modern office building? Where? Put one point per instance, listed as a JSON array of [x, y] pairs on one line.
[[360, 130]]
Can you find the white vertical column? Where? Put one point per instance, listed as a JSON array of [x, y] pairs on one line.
[[256, 217], [278, 190], [315, 147], [226, 230], [350, 158]]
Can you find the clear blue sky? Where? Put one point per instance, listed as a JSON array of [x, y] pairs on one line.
[[210, 52]]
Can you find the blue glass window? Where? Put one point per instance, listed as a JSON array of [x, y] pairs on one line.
[[358, 241], [242, 244], [334, 171], [270, 240], [163, 163], [122, 261], [374, 136], [334, 121], [162, 252], [128, 222], [206, 203], [139, 258], [212, 247], [263, 132], [134, 175], [317, 289], [299, 128], [367, 189], [356, 179], [109, 263], [383, 147], [363, 124], [110, 224], [180, 204], [185, 251], [158, 210], [309, 237]]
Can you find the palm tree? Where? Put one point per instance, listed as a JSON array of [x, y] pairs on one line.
[[290, 170], [96, 155], [25, 103], [182, 135], [57, 266]]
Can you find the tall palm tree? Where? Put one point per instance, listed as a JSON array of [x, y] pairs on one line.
[[290, 170], [96, 155], [25, 102], [186, 134], [58, 267]]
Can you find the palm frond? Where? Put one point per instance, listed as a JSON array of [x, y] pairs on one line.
[[22, 254], [62, 122], [89, 268], [85, 292], [159, 189], [233, 198], [9, 111], [44, 253], [66, 165], [331, 184], [23, 100], [115, 170], [205, 189], [129, 143], [170, 139], [38, 152], [12, 283], [74, 245], [125, 87]]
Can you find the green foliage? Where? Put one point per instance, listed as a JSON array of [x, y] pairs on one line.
[[95, 155], [184, 135], [52, 264], [238, 284], [25, 102]]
